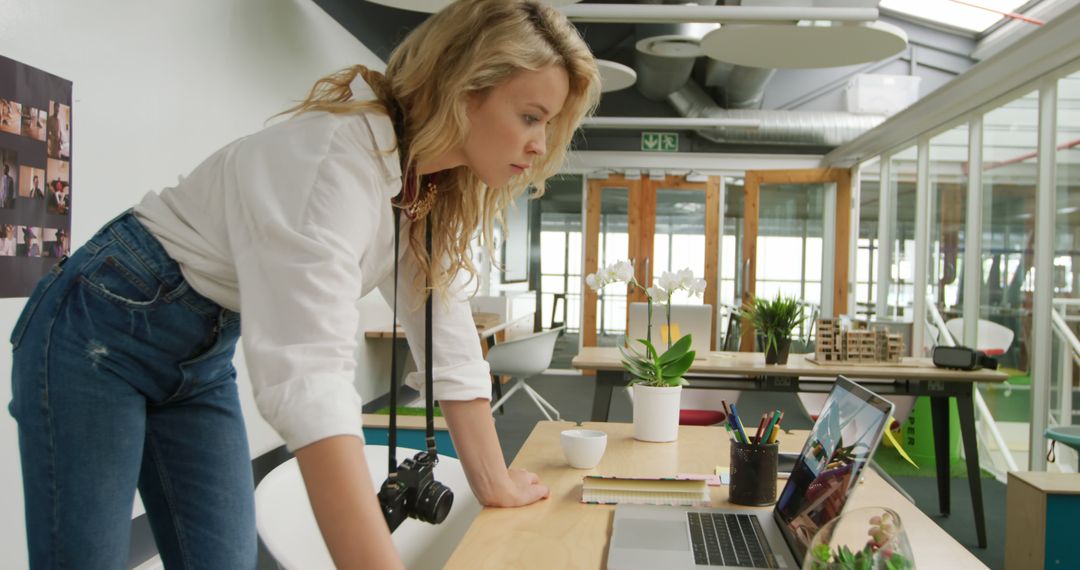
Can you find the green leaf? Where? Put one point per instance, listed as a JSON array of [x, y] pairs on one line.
[[680, 366], [821, 552], [651, 353], [677, 350]]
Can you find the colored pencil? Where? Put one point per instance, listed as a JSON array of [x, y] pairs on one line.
[[776, 429], [772, 424], [757, 434], [730, 433]]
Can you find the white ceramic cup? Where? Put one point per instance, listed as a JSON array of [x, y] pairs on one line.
[[583, 447]]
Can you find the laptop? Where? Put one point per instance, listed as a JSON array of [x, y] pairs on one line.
[[843, 439], [695, 320]]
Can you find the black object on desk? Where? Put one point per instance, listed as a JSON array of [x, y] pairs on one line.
[[753, 474]]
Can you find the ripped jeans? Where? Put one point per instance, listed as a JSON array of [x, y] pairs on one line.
[[122, 378]]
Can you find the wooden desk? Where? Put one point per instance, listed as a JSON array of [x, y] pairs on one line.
[[748, 371], [488, 325], [560, 532]]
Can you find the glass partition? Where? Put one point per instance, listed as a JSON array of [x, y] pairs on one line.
[[680, 237], [948, 204], [1009, 157], [1063, 408], [866, 255], [560, 252], [903, 167], [614, 245], [731, 241]]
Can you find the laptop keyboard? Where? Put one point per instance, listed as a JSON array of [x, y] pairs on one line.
[[720, 539]]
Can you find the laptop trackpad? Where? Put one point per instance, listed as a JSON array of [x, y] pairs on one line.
[[651, 535]]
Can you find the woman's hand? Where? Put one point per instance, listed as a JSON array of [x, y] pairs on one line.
[[525, 489], [473, 430]]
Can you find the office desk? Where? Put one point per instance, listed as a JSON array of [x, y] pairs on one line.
[[560, 532], [912, 377], [490, 328]]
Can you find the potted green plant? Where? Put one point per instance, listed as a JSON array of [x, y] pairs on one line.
[[657, 378], [774, 321]]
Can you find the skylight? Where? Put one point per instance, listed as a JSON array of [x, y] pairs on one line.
[[964, 15]]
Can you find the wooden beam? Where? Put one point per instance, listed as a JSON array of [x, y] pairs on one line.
[[751, 210], [712, 250], [641, 226], [592, 260], [842, 241]]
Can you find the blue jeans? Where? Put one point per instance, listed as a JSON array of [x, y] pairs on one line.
[[123, 378]]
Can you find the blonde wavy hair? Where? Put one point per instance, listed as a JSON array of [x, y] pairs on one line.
[[467, 48]]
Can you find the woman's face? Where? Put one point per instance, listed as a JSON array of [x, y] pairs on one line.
[[508, 123]]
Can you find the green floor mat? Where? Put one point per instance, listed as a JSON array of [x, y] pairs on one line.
[[894, 465], [385, 411]]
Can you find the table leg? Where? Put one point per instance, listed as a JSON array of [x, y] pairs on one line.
[[403, 356], [966, 407], [939, 406], [496, 381], [606, 380]]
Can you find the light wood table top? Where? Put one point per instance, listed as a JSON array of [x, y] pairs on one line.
[[753, 364], [487, 325], [561, 532]]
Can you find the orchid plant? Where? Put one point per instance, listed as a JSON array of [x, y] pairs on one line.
[[651, 367]]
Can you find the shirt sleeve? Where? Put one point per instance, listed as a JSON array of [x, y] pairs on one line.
[[298, 266], [459, 369]]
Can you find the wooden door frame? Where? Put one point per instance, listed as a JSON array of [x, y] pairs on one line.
[[642, 237], [751, 211]]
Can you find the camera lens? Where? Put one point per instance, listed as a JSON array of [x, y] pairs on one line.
[[433, 503]]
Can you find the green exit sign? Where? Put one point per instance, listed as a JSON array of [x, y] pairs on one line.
[[660, 142]]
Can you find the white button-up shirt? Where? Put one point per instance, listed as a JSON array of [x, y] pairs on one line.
[[290, 226]]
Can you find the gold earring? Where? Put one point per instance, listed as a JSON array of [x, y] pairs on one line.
[[423, 204]]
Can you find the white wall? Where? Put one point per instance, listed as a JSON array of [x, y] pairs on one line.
[[158, 86]]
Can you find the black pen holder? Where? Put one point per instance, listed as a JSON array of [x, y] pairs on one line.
[[753, 474]]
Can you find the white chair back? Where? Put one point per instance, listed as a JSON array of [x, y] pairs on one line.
[[991, 335], [523, 357], [287, 524]]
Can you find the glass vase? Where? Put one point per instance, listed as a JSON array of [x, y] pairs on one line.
[[870, 538]]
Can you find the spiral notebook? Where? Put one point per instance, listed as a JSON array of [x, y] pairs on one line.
[[600, 490]]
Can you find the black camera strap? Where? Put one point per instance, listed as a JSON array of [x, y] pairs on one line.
[[429, 398]]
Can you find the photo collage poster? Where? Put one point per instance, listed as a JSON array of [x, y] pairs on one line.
[[35, 175]]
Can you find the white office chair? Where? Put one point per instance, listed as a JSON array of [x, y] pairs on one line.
[[994, 339], [287, 524], [521, 358]]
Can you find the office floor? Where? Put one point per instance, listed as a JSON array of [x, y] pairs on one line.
[[572, 396]]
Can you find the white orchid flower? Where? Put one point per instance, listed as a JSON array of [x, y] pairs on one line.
[[590, 280], [623, 271], [657, 294], [686, 278], [697, 287], [668, 281]]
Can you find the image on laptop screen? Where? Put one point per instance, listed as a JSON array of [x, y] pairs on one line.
[[844, 438]]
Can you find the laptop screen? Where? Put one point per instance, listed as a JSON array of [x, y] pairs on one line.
[[843, 439]]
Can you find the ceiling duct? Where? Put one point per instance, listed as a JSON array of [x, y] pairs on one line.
[[664, 59], [664, 56], [775, 127]]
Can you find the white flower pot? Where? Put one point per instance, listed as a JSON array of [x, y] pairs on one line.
[[656, 413]]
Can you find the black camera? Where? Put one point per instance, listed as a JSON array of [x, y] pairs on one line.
[[415, 493]]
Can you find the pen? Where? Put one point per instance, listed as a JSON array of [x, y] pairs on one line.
[[738, 424]]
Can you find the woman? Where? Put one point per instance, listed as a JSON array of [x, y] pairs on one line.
[[122, 371]]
